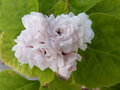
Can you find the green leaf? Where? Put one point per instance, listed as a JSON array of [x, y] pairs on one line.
[[116, 87], [9, 80], [78, 6], [31, 86], [107, 6], [61, 7], [11, 12], [46, 77], [58, 84], [54, 6], [100, 65], [45, 6]]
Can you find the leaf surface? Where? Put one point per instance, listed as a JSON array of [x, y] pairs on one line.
[[9, 80], [100, 65]]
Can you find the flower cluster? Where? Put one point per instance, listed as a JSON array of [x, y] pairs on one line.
[[49, 42]]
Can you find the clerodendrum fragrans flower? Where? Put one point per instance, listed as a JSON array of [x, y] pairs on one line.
[[49, 42]]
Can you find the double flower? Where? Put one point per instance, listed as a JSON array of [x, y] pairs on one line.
[[49, 42]]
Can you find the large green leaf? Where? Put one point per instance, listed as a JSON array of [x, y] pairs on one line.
[[107, 6], [10, 23], [100, 65], [9, 80], [58, 84], [11, 12], [78, 6]]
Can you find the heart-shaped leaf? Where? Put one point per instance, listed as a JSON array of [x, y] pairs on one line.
[[100, 65]]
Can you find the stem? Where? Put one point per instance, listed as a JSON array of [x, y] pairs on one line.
[[68, 5]]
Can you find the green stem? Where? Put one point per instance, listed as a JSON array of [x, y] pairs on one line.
[[68, 5]]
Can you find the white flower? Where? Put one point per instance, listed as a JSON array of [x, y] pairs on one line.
[[33, 43], [70, 31], [49, 42], [85, 33]]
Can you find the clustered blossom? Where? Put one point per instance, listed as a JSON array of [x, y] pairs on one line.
[[49, 42]]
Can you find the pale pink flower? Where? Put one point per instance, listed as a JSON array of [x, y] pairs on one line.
[[49, 42], [70, 31]]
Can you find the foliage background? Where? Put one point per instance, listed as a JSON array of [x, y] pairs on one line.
[[100, 67]]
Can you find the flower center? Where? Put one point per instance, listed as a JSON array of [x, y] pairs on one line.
[[59, 31], [45, 52]]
